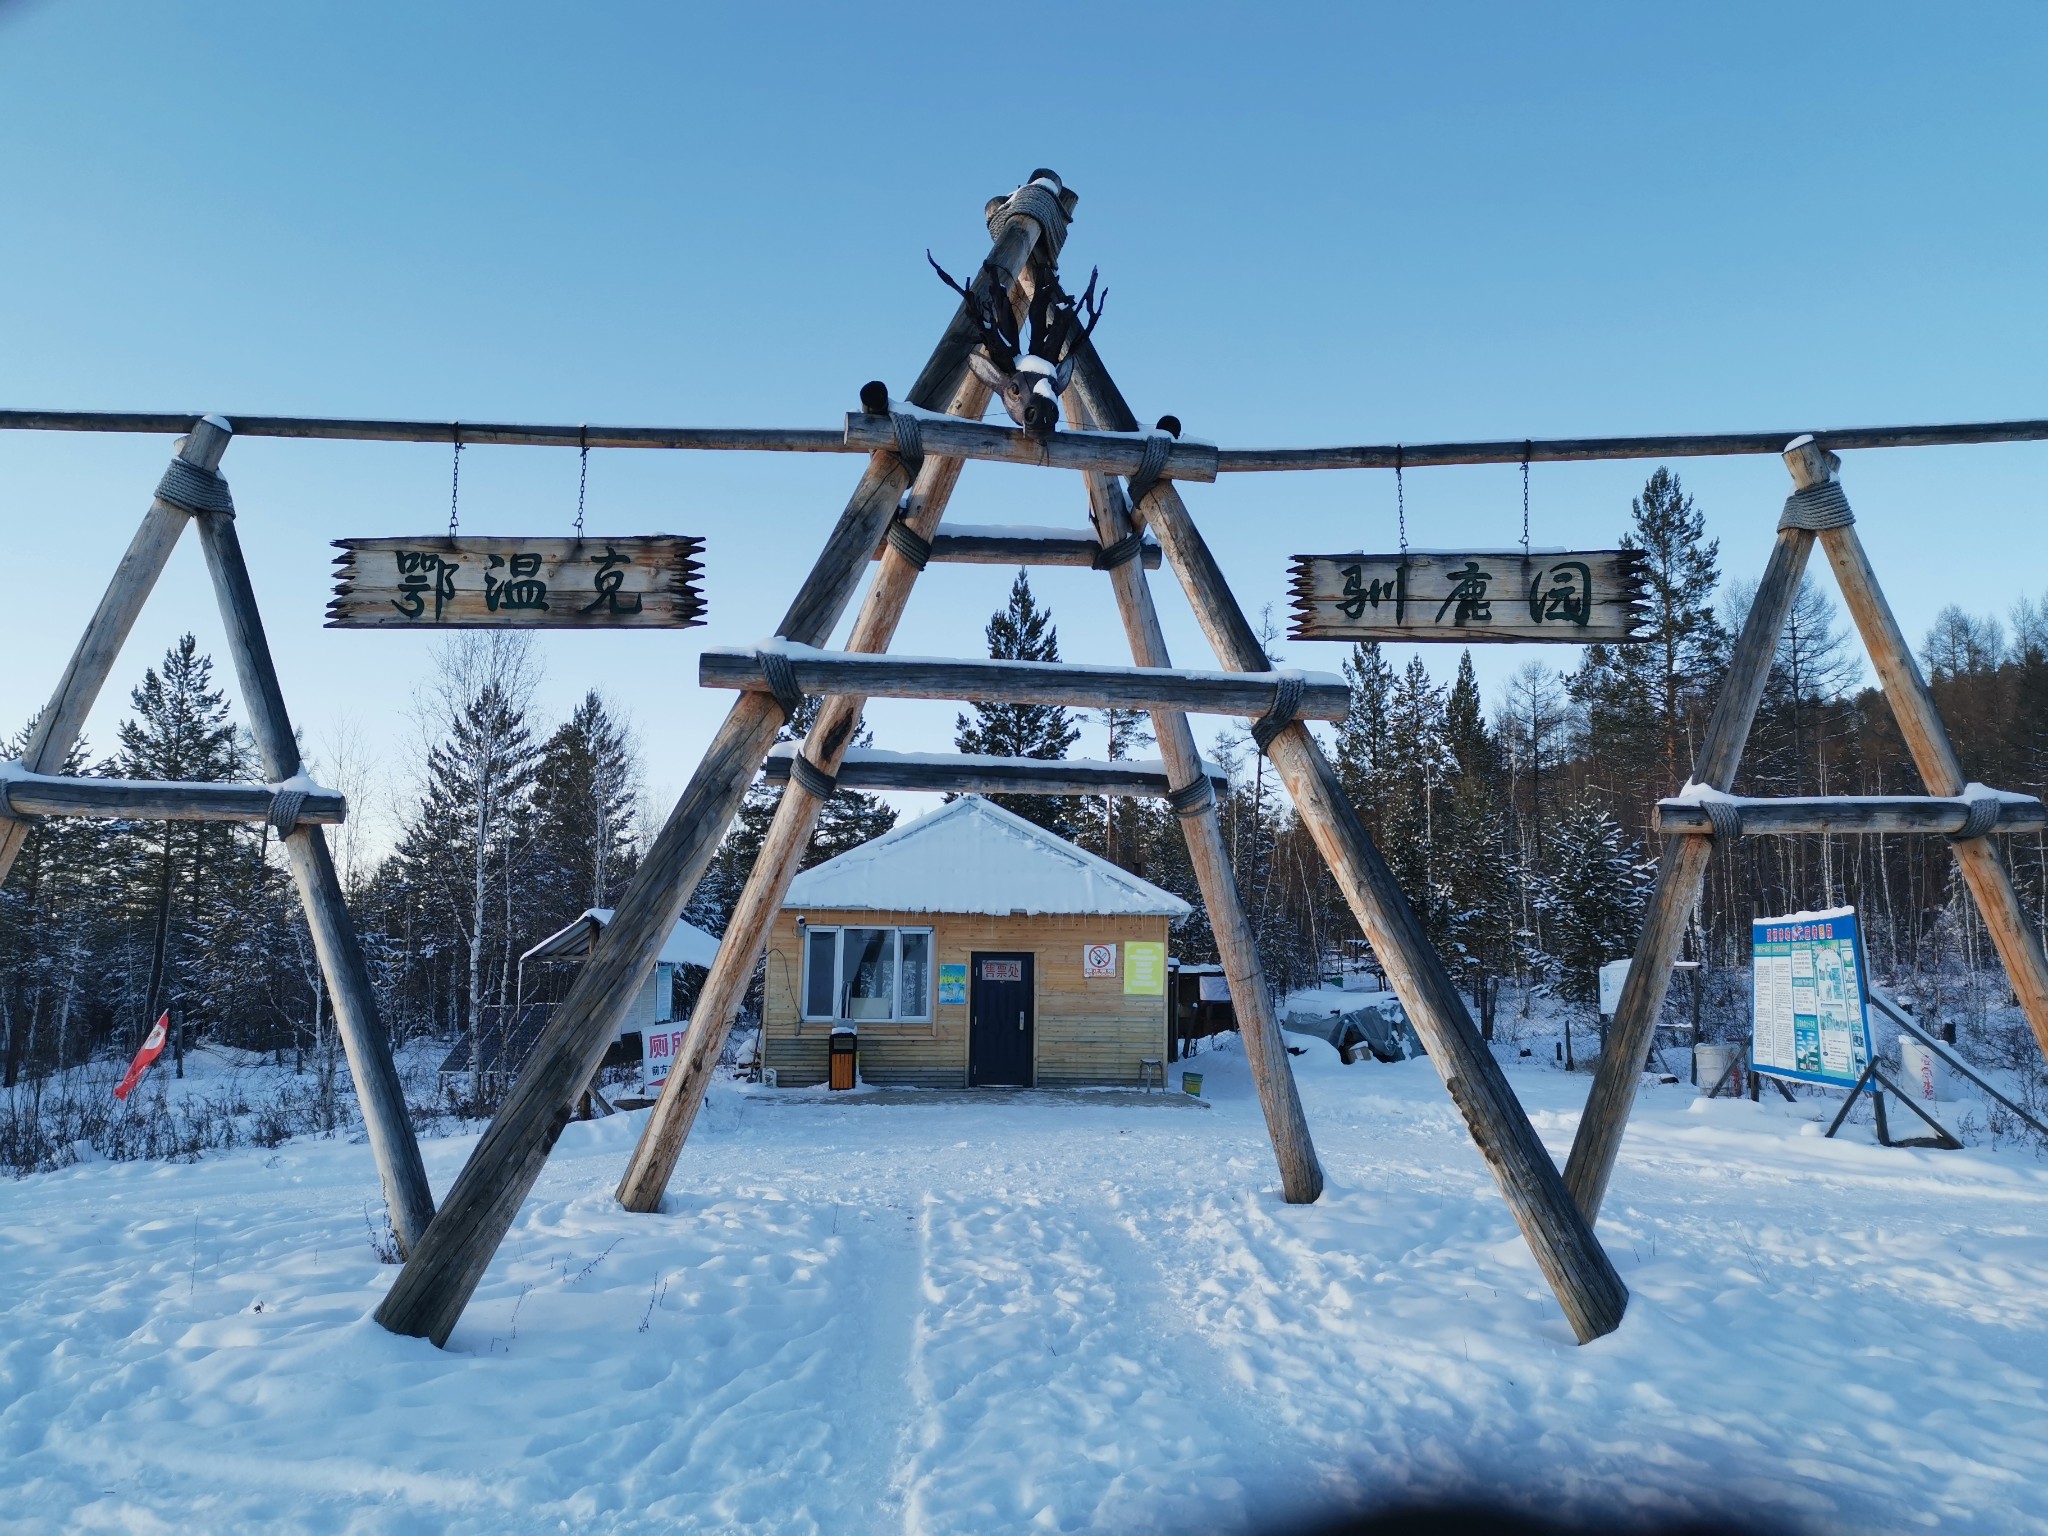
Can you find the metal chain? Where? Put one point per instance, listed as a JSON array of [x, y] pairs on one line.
[[455, 486], [1527, 448], [1400, 499], [583, 478]]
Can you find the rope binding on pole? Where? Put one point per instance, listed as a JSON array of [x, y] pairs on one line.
[[781, 676], [191, 489], [1194, 798], [1285, 710]]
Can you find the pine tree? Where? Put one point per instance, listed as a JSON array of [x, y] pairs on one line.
[[1593, 891], [583, 799], [1362, 734], [1646, 703], [1475, 872], [47, 912], [469, 847], [1022, 631], [181, 731]]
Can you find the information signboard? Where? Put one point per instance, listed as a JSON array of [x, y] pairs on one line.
[[1809, 1016], [952, 985], [1145, 970]]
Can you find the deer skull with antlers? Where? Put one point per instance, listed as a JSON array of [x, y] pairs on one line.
[[1029, 379]]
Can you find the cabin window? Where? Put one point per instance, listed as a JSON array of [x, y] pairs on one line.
[[871, 975]]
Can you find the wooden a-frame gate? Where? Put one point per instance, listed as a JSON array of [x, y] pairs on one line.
[[1968, 814], [894, 515]]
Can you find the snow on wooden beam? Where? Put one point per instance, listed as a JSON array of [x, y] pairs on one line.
[[1022, 544], [972, 774], [1323, 695], [1849, 814], [1113, 453], [38, 794]]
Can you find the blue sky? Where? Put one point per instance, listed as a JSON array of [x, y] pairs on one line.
[[1318, 224]]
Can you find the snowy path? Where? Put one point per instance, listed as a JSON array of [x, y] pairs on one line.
[[968, 1318]]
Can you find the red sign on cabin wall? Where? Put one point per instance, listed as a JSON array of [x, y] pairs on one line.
[[1002, 970]]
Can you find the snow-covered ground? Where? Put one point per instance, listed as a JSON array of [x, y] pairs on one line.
[[986, 1317]]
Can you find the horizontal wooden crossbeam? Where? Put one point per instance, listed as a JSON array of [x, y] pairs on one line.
[[160, 799], [1850, 815], [973, 774], [1020, 544], [1323, 696], [1229, 460], [41, 794], [1113, 453]]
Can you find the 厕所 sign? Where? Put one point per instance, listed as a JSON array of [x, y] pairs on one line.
[[1809, 1018]]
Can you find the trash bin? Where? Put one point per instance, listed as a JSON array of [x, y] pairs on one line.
[[1191, 1082], [1713, 1060], [1920, 1078], [845, 1056]]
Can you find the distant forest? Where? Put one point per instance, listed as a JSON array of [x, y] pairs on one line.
[[1517, 825]]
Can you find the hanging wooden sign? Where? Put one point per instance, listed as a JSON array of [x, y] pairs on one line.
[[477, 582], [1572, 598]]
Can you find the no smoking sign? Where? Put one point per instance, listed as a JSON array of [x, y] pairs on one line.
[[1098, 960]]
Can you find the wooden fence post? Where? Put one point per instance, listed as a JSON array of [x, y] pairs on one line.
[[363, 1037], [1587, 1287], [1301, 1174], [430, 1292], [1680, 871], [57, 728]]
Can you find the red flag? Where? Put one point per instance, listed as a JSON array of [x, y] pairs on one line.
[[152, 1048]]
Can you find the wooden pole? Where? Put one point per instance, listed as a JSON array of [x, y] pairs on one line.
[[160, 800], [428, 1297], [1587, 1288], [1324, 696], [1680, 870], [2018, 945], [833, 439], [363, 1038], [58, 727], [789, 834], [430, 1292], [1301, 1173]]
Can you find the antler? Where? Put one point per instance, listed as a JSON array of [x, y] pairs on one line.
[[992, 315], [1072, 322]]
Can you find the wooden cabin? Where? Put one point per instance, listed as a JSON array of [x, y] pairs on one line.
[[970, 948]]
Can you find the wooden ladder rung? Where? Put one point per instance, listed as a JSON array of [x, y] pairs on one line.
[[973, 774], [1323, 695], [1853, 815]]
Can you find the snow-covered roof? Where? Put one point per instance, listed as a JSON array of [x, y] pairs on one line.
[[687, 945], [974, 856]]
